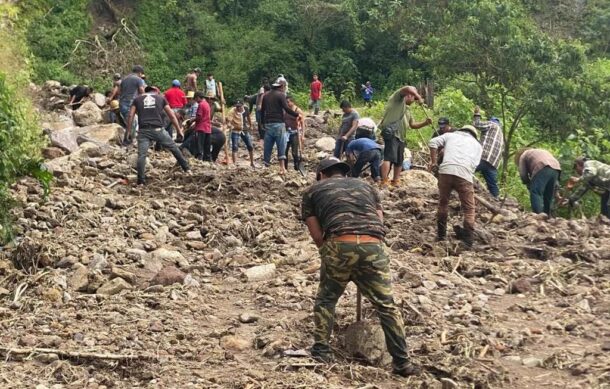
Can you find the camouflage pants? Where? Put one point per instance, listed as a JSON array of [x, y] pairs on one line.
[[367, 266]]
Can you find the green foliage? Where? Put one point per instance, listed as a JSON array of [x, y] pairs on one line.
[[452, 104]]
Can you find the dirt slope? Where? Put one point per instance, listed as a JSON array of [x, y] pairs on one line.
[[528, 308]]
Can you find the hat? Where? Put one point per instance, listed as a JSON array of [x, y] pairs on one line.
[[210, 95], [138, 69], [413, 90], [330, 162], [176, 83], [197, 70], [190, 94], [199, 95], [117, 76], [471, 129], [114, 104], [239, 103], [495, 120], [443, 121]]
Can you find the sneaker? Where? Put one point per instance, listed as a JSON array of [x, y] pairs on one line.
[[407, 370]]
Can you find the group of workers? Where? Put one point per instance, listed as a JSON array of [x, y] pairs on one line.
[[343, 213]]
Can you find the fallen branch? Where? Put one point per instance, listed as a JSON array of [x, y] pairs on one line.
[[77, 355], [494, 209]]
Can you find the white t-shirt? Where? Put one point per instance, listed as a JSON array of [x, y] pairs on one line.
[[462, 154]]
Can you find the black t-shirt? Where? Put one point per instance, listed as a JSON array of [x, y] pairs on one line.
[[150, 110], [79, 92], [344, 206]]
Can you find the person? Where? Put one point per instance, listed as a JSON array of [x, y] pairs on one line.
[[259, 101], [191, 106], [294, 132], [366, 128], [593, 175], [315, 94], [443, 127], [191, 80], [150, 108], [211, 87], [203, 126], [217, 141], [176, 99], [492, 140], [347, 130], [77, 94], [273, 106], [344, 217], [396, 120], [362, 151], [367, 93], [240, 124], [113, 109], [540, 171], [283, 80], [116, 87], [462, 156], [131, 86]]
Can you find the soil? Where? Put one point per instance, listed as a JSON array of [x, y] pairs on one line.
[[527, 308]]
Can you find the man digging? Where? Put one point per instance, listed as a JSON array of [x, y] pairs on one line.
[[345, 220]]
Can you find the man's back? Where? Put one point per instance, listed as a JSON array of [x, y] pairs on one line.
[[273, 104], [462, 154], [175, 97], [362, 144], [344, 206], [597, 174], [130, 86], [150, 110]]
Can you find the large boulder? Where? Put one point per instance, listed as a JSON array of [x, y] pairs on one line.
[[51, 85], [99, 99], [101, 134], [326, 143], [64, 139], [88, 114], [418, 179]]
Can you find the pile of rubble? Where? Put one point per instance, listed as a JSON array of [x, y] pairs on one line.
[[209, 281]]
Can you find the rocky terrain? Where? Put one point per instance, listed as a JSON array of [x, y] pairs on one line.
[[208, 281]]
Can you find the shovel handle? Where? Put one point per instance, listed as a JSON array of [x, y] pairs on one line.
[[358, 306]]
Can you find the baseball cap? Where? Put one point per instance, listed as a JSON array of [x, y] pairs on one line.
[[138, 69], [239, 103], [175, 83], [330, 162], [471, 129], [443, 121]]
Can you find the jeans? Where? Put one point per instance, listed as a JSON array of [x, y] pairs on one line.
[[245, 137], [275, 134], [293, 145], [340, 146], [124, 109], [542, 190], [490, 174], [259, 124], [372, 156], [148, 135], [446, 184], [606, 204], [315, 104], [204, 146]]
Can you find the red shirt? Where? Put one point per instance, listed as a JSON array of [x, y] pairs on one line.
[[316, 90], [203, 122], [175, 97]]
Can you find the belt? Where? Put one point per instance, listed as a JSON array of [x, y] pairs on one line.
[[350, 238]]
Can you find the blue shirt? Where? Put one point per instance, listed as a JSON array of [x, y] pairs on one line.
[[367, 93], [360, 145]]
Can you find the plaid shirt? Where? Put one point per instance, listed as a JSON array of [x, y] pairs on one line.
[[492, 141]]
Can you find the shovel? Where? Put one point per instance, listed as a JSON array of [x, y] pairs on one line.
[[358, 306], [300, 164]]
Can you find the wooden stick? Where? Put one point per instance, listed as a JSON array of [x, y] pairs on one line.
[[77, 355], [358, 306], [222, 111]]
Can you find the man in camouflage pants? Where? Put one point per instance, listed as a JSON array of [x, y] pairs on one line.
[[345, 220]]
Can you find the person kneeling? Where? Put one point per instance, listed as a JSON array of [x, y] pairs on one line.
[[362, 151]]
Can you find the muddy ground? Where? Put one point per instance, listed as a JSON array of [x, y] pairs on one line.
[[157, 278]]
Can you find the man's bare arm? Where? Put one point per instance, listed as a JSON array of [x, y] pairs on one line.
[[315, 230], [172, 117]]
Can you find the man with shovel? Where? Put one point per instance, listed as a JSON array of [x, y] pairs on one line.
[[345, 220]]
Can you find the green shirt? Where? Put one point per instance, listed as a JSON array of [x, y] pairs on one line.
[[596, 176], [397, 111]]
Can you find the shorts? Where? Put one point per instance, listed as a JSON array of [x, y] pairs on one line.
[[245, 137], [394, 150]]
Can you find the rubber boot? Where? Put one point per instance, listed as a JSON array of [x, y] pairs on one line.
[[468, 237], [441, 230]]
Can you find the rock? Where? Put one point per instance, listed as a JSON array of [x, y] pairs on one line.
[[4, 292], [606, 346], [520, 285], [326, 143], [113, 287], [93, 150], [155, 326], [60, 166], [87, 114], [103, 134], [365, 340], [52, 152], [132, 160], [98, 262], [28, 340], [51, 85], [196, 245], [322, 154], [99, 99], [234, 343], [260, 273], [170, 256], [512, 358], [193, 235], [80, 278], [584, 305], [418, 179], [169, 275], [532, 362], [46, 358], [122, 273], [52, 294], [248, 318], [448, 383], [64, 139]]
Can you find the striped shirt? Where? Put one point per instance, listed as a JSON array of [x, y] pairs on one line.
[[492, 141]]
